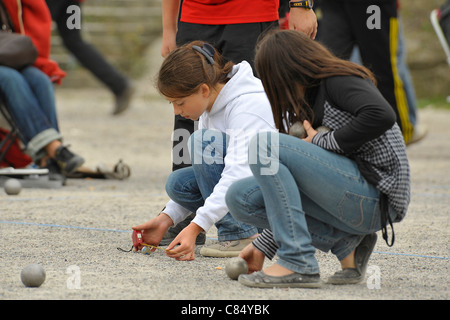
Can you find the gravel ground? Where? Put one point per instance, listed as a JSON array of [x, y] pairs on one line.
[[74, 231]]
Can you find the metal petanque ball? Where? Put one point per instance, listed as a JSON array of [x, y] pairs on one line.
[[12, 186], [297, 130], [33, 275], [235, 267], [322, 129]]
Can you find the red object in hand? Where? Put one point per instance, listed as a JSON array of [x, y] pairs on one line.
[[137, 238]]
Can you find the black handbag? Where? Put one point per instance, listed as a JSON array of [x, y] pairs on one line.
[[16, 50]]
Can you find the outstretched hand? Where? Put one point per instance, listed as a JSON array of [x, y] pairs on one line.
[[182, 248]]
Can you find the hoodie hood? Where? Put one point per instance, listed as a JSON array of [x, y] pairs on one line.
[[240, 83]]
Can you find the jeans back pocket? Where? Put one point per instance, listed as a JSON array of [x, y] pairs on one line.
[[360, 213]]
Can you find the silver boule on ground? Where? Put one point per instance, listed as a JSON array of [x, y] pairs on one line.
[[33, 275]]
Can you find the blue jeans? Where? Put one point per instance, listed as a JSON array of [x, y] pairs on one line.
[[403, 72], [190, 186], [29, 97], [311, 198]]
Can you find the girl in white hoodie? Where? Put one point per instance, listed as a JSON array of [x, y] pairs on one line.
[[231, 107]]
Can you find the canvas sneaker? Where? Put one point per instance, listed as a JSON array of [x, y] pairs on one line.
[[67, 160], [54, 171], [225, 249]]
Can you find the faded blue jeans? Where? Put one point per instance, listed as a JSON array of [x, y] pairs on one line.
[[29, 97], [309, 197], [190, 186]]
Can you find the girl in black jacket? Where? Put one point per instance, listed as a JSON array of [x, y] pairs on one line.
[[331, 190]]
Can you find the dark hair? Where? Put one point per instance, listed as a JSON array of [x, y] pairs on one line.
[[289, 63], [185, 69]]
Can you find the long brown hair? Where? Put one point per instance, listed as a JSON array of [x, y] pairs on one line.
[[289, 63], [184, 70]]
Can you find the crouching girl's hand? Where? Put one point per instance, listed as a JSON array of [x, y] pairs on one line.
[[310, 131], [253, 257], [183, 246]]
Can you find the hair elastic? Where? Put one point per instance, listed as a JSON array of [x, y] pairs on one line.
[[207, 50]]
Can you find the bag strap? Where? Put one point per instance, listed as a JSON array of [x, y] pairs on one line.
[[6, 24], [385, 218]]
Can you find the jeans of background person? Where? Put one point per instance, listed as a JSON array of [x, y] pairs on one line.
[[403, 72], [190, 186], [29, 97], [313, 199], [344, 25], [85, 53]]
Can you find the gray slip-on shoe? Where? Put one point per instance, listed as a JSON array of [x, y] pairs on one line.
[[225, 249], [295, 280], [362, 255]]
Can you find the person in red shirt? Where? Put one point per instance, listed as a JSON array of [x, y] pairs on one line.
[[233, 28], [245, 20]]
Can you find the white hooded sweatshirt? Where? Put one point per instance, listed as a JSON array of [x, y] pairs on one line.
[[240, 110]]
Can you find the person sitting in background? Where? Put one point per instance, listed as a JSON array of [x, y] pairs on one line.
[[28, 93]]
